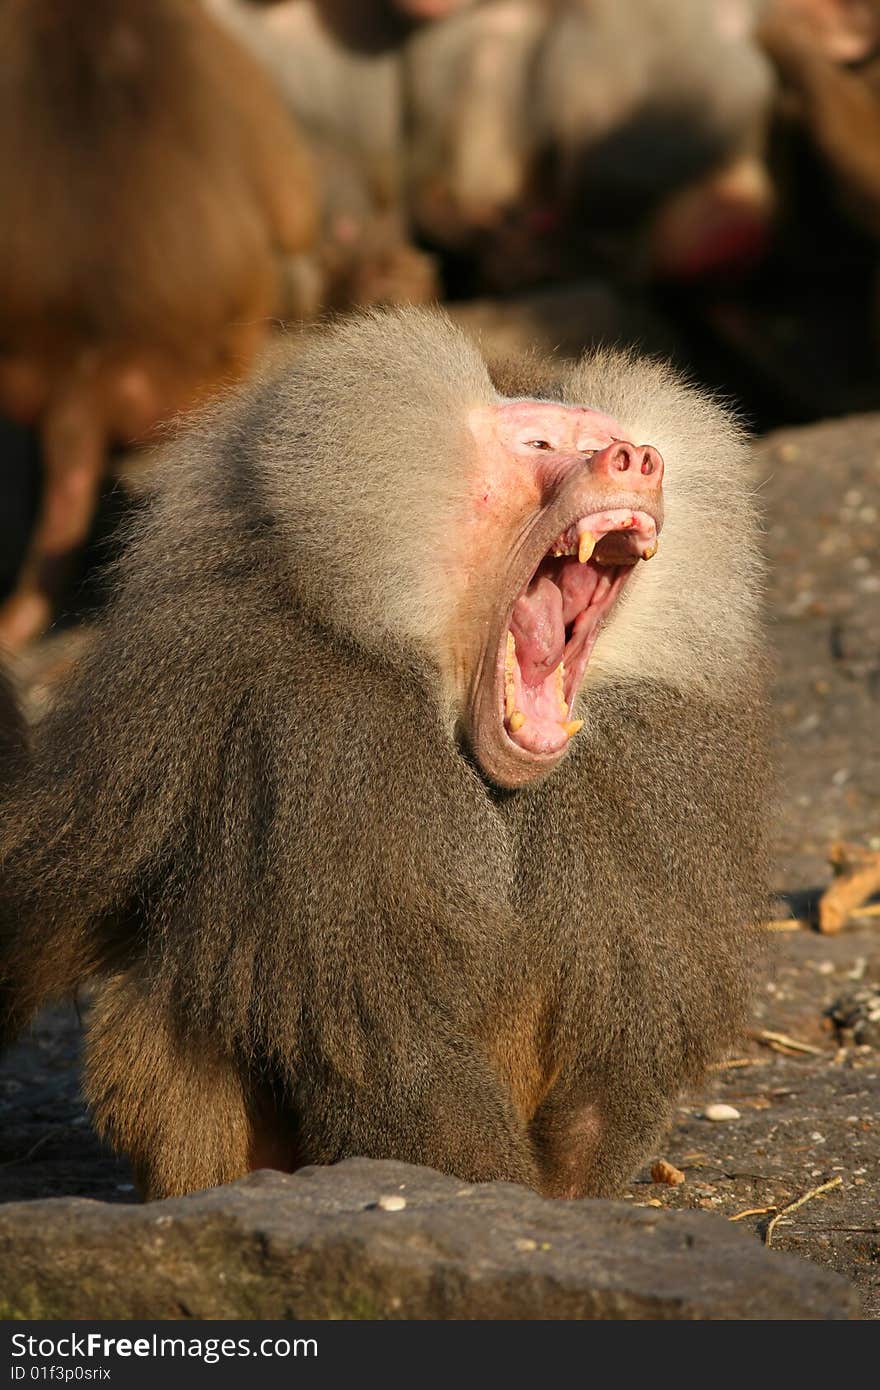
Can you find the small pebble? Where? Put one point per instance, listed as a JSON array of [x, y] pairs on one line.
[[391, 1203], [720, 1112], [526, 1245]]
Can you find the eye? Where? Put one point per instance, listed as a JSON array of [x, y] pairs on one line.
[[538, 444]]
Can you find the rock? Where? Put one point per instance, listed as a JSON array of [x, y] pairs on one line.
[[665, 1172], [317, 1244], [720, 1111], [391, 1203], [856, 1016]]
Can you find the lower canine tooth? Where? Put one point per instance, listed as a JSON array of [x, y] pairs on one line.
[[560, 687], [509, 684], [517, 719], [649, 554], [573, 726]]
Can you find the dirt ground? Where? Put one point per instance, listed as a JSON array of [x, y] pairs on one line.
[[805, 1117]]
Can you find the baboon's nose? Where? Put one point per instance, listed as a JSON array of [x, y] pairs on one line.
[[637, 466]]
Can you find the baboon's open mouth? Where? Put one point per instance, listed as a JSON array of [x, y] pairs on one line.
[[556, 619]]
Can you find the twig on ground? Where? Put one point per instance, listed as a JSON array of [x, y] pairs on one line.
[[859, 1230], [793, 1206], [23, 1158], [781, 1041], [739, 1062], [752, 1211]]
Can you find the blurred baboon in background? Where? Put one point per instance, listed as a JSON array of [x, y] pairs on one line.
[[338, 68], [574, 133], [150, 179]]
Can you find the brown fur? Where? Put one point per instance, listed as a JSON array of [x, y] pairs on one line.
[[318, 930], [13, 738], [839, 108], [149, 178]]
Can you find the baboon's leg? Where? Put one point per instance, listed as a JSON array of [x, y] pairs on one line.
[[455, 1117], [74, 450], [182, 1111], [589, 1140]]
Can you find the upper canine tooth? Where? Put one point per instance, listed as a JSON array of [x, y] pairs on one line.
[[586, 546], [573, 726], [651, 551]]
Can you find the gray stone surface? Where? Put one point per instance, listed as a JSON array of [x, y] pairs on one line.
[[318, 1244]]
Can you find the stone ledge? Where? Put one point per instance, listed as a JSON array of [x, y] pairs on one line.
[[322, 1243]]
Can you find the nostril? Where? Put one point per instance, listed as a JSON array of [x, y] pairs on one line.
[[651, 464], [621, 458]]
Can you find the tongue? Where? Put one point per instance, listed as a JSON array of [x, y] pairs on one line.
[[559, 595], [561, 590], [538, 630]]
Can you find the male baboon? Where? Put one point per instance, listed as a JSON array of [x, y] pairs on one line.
[[398, 810]]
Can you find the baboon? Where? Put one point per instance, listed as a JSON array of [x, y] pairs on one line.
[[825, 52], [577, 133], [472, 130], [342, 83], [398, 809], [150, 179]]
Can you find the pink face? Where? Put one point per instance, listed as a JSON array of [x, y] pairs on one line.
[[564, 508]]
